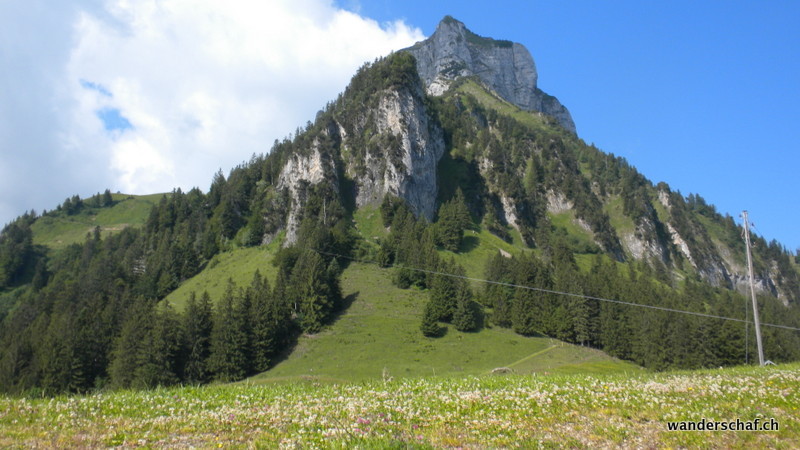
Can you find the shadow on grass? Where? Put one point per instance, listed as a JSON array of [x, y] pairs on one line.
[[468, 243], [295, 334], [343, 307]]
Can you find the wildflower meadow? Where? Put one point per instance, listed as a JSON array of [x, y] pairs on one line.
[[477, 412]]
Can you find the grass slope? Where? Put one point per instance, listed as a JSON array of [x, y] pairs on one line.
[[492, 101], [379, 336], [597, 411], [476, 248], [62, 230], [240, 265]]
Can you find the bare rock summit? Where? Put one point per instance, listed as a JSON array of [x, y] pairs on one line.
[[505, 67]]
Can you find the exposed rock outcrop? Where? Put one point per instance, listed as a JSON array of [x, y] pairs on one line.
[[408, 170], [391, 146], [505, 67], [300, 172]]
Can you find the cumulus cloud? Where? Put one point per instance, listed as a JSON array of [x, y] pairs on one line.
[[144, 96]]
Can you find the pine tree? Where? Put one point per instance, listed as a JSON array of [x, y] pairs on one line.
[[332, 273], [467, 315], [271, 320], [529, 306], [571, 321], [497, 296], [56, 359], [243, 312], [40, 275], [430, 325], [198, 324], [157, 361], [310, 291], [16, 250], [125, 356], [107, 200], [461, 211], [262, 328], [443, 293], [448, 227], [227, 360]]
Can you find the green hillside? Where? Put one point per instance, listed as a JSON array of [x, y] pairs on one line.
[[58, 229], [379, 336], [239, 265], [380, 316]]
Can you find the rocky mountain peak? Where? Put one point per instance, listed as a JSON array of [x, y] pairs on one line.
[[506, 67]]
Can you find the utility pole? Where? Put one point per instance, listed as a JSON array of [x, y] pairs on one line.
[[753, 288]]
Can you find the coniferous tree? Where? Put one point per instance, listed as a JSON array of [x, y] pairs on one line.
[[332, 274], [198, 325], [16, 250], [125, 358], [158, 359], [243, 310], [228, 342], [573, 321], [499, 297], [461, 211], [529, 305], [56, 360], [271, 319], [430, 325], [389, 206], [448, 233], [311, 292], [444, 292], [107, 200], [467, 315], [40, 275], [263, 337]]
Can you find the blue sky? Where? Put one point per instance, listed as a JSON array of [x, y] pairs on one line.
[[141, 97]]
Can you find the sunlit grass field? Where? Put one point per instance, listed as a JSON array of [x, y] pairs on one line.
[[60, 230], [378, 336], [583, 411]]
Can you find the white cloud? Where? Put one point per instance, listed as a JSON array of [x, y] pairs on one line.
[[204, 84]]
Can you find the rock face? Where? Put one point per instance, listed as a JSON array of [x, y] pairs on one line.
[[391, 147], [505, 67], [299, 173], [410, 171]]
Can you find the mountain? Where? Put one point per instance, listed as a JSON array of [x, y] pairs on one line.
[[415, 175], [387, 141], [505, 67]]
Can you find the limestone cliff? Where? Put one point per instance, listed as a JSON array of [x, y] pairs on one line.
[[505, 67], [381, 138], [406, 167]]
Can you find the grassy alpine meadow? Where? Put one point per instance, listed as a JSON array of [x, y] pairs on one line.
[[378, 336], [612, 410], [60, 230]]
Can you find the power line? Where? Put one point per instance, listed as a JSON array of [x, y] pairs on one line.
[[551, 291]]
